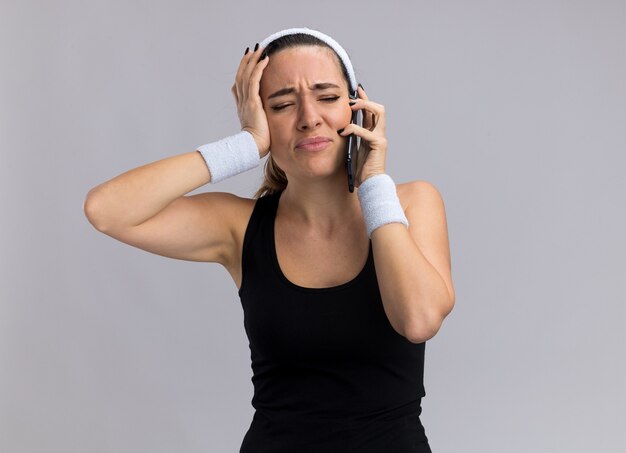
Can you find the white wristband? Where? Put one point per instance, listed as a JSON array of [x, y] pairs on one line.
[[230, 156], [380, 203]]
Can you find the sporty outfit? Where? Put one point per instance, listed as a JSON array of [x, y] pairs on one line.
[[330, 373]]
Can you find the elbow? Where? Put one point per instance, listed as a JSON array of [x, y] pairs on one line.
[[421, 334], [91, 210], [423, 329]]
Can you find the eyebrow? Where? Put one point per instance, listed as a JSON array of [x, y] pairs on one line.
[[289, 90]]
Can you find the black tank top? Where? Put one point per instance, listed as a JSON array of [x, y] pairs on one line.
[[323, 359]]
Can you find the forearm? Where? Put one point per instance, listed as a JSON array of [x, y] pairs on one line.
[[415, 296], [138, 194]]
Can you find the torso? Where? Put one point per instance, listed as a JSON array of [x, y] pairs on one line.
[[311, 262]]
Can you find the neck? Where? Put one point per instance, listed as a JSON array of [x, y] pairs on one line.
[[323, 206]]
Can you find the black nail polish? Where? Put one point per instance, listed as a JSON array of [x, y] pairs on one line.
[[362, 87], [352, 102], [247, 50], [256, 47], [341, 130], [263, 55]]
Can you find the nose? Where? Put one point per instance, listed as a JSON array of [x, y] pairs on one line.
[[309, 117]]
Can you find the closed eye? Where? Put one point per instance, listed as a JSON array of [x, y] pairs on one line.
[[330, 99]]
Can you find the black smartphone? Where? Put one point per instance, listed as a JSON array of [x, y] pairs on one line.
[[352, 147]]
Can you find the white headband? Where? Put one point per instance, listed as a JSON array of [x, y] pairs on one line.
[[327, 39]]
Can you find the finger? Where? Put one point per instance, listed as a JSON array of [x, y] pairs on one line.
[[361, 92], [240, 73], [373, 113], [247, 72], [368, 119], [373, 138], [370, 106], [255, 77]]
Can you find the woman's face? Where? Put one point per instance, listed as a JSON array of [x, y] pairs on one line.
[[307, 110]]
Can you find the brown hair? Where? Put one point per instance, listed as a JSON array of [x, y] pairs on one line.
[[275, 178]]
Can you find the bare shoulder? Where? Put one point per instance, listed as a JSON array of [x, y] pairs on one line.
[[417, 192], [237, 210], [242, 210], [233, 202], [232, 208]]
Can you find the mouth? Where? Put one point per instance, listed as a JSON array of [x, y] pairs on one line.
[[314, 146], [314, 143]]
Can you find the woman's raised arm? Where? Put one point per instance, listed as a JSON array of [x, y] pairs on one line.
[[146, 207], [137, 195]]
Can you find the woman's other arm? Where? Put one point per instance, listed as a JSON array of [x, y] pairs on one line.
[[413, 265], [146, 207]]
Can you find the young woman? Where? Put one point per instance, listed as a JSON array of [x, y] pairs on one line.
[[340, 289]]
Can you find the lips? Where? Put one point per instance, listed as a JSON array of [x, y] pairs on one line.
[[312, 140]]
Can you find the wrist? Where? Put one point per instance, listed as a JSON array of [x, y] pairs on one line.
[[230, 156], [260, 145], [380, 203], [369, 175]]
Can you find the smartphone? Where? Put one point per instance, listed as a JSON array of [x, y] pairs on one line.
[[352, 147]]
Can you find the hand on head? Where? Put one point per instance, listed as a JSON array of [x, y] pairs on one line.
[[246, 92]]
